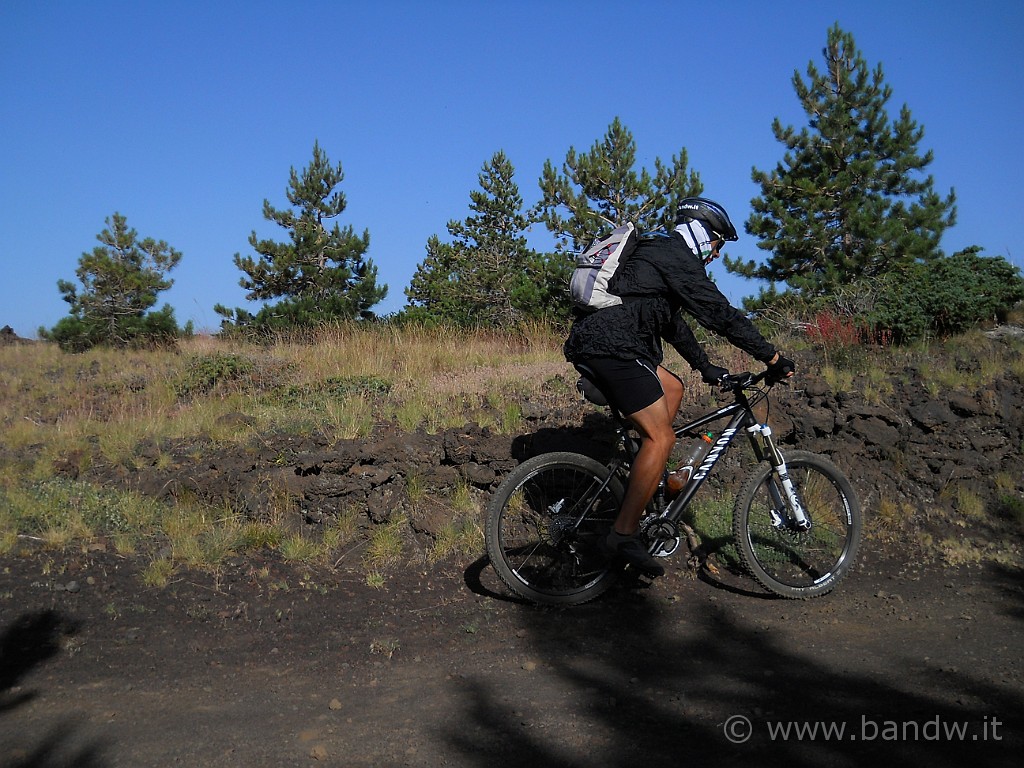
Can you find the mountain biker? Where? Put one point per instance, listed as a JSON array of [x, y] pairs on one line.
[[622, 348]]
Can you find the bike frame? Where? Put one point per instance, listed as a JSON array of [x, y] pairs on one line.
[[741, 418]]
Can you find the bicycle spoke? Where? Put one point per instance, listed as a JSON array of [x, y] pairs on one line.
[[784, 558], [543, 525]]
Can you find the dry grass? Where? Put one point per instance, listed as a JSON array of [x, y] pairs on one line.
[[60, 412]]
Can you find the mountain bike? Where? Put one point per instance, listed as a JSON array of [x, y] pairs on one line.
[[796, 520]]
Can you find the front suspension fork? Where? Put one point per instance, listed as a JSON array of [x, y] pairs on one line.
[[769, 451]]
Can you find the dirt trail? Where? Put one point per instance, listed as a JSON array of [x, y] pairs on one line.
[[272, 665]]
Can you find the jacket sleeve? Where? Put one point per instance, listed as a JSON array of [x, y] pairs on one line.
[[690, 285], [679, 334]]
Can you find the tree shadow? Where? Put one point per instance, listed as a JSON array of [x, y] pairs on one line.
[[29, 642], [627, 681], [1010, 583]]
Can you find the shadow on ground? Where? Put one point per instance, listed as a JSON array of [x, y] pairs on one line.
[[728, 691], [30, 642]]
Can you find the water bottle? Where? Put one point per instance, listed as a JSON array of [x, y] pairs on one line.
[[678, 479]]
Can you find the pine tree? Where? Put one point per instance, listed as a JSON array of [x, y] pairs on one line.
[[849, 200], [321, 274], [599, 190], [487, 276], [120, 281]]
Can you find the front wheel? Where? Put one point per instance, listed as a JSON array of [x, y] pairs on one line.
[[544, 522], [781, 555]]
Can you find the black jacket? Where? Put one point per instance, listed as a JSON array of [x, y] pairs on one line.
[[658, 283]]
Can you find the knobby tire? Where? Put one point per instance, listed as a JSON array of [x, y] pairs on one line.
[[784, 560], [543, 525]]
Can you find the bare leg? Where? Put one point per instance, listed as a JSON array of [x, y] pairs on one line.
[[654, 423]]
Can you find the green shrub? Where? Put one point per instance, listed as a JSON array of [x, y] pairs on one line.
[[60, 503], [203, 374], [77, 334], [341, 386], [947, 296], [1010, 507]]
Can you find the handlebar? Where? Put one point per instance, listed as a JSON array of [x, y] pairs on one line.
[[735, 382]]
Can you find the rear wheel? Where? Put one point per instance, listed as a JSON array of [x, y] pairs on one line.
[[543, 524], [783, 558]]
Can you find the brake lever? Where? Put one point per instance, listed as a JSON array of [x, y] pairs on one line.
[[784, 381]]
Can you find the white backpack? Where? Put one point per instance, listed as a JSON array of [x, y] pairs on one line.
[[596, 265]]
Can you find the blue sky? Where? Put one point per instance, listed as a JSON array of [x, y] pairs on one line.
[[185, 116]]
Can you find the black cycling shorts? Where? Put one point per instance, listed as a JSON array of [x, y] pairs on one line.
[[630, 385]]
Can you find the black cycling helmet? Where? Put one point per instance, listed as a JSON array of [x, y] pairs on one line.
[[710, 214]]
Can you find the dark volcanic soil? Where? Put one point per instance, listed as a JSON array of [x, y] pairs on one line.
[[274, 665]]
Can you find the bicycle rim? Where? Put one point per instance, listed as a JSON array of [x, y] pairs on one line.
[[787, 561], [544, 524]]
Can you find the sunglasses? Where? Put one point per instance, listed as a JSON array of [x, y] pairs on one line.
[[716, 250]]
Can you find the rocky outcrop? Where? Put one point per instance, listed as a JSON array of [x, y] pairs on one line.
[[907, 447], [8, 336]]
